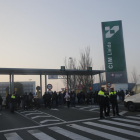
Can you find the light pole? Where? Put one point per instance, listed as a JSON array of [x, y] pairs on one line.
[[30, 84]]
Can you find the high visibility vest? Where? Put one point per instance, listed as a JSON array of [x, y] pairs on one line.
[[112, 93], [13, 97], [101, 93]]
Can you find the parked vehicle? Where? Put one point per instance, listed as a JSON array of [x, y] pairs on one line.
[[132, 100]]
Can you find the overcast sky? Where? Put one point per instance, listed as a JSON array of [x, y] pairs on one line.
[[41, 33]]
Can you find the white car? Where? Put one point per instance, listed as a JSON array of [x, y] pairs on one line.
[[132, 100]]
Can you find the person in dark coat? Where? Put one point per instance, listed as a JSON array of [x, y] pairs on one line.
[[1, 102], [8, 101], [13, 102], [45, 99], [48, 99], [72, 98]]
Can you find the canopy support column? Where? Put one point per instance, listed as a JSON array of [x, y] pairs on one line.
[[45, 83], [12, 83], [40, 85], [100, 79]]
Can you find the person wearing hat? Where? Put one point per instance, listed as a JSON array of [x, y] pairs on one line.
[[113, 100], [101, 95]]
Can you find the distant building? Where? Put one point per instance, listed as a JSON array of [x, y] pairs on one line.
[[27, 86]]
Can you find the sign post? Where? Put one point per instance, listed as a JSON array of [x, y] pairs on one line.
[[49, 86], [114, 53]]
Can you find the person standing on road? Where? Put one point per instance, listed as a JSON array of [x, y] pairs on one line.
[[113, 100], [107, 106], [67, 97], [1, 102], [13, 102], [101, 95], [72, 97], [45, 99]]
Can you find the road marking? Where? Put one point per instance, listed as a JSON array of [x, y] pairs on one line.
[[12, 136], [27, 111], [68, 134], [133, 117], [93, 109], [123, 112], [40, 135], [128, 132], [138, 115], [126, 120], [52, 116], [27, 117], [33, 114], [84, 107], [50, 120], [96, 132], [39, 126], [39, 117], [54, 109], [121, 124]]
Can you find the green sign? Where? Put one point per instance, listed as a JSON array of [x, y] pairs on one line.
[[89, 68], [113, 46], [63, 68]]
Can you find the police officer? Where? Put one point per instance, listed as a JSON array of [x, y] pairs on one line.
[[13, 101], [113, 100], [101, 96], [107, 106]]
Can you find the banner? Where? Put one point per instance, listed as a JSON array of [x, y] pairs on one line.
[[114, 53]]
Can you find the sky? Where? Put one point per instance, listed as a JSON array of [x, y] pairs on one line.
[[41, 33]]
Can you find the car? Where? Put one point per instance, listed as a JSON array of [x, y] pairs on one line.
[[132, 100]]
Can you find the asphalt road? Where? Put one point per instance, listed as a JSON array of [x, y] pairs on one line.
[[62, 123]]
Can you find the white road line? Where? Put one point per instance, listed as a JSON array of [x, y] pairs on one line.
[[128, 132], [123, 112], [54, 109], [68, 134], [138, 115], [39, 117], [121, 124], [27, 111], [96, 132], [12, 136], [84, 107], [52, 116], [27, 118], [50, 120], [133, 117], [126, 120], [40, 135], [39, 126], [33, 113], [93, 109]]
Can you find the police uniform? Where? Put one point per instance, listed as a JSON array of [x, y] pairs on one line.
[[101, 96], [107, 106], [113, 100], [13, 99]]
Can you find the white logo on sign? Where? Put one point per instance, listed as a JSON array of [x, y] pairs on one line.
[[114, 28]]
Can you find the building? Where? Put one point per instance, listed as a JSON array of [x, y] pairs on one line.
[[27, 87]]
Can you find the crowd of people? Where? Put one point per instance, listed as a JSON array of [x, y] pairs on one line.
[[53, 99]]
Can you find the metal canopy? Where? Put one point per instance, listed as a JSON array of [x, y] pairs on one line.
[[24, 71]]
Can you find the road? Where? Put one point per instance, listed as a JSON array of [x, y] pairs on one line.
[[62, 123]]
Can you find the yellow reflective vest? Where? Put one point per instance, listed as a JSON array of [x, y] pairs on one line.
[[13, 97], [101, 93]]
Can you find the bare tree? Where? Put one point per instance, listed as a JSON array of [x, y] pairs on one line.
[[71, 65], [84, 63], [134, 76]]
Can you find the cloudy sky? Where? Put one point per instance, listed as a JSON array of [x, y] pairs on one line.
[[41, 33]]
